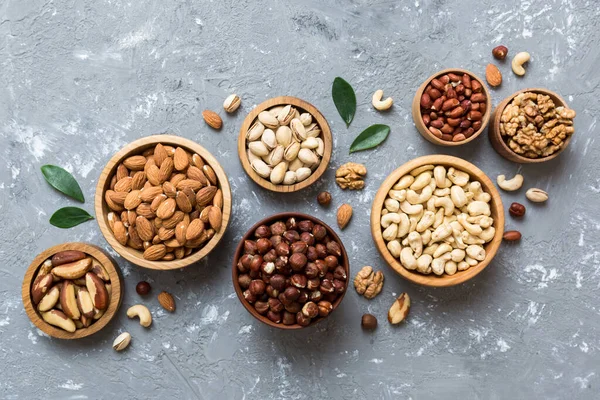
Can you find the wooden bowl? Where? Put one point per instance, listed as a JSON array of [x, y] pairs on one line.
[[102, 210], [498, 142], [115, 300], [491, 247], [418, 120], [240, 250], [302, 106]]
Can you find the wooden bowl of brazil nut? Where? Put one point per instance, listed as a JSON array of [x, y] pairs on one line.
[[72, 290], [557, 126], [438, 236], [285, 144], [452, 107], [165, 217], [290, 271]]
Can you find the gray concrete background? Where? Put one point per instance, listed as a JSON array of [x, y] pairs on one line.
[[80, 79]]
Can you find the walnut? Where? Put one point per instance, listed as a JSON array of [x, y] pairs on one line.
[[350, 176], [368, 283]]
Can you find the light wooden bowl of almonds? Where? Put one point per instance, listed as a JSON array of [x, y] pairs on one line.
[[285, 144], [163, 202], [72, 290], [437, 220]]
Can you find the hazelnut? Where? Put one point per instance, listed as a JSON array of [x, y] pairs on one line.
[[310, 310], [297, 261], [261, 307], [517, 210], [331, 262], [311, 253], [274, 316], [322, 267], [340, 273], [326, 286], [305, 226], [249, 296], [256, 263], [307, 238], [267, 268], [281, 265], [324, 198], [369, 321], [275, 305], [262, 231], [291, 236], [250, 247], [329, 276], [257, 287], [330, 297], [271, 256], [294, 307], [303, 298], [241, 267], [339, 286], [313, 283], [500, 52], [291, 293], [315, 296], [282, 249], [299, 247], [321, 250], [263, 245], [325, 308], [291, 224], [275, 240], [254, 274], [278, 282], [278, 228], [271, 291], [302, 320], [143, 288], [298, 280], [311, 270], [244, 281], [289, 318], [284, 300], [245, 261], [334, 248], [319, 232]]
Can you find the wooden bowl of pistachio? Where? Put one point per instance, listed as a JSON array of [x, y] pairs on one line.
[[285, 144]]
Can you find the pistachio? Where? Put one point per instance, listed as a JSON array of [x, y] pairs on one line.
[[298, 129], [231, 103], [286, 114], [320, 147], [302, 174], [310, 143], [261, 168], [284, 136], [278, 173], [295, 165], [255, 131], [290, 178], [313, 130], [121, 341], [308, 157], [306, 119], [251, 156], [258, 148], [291, 152], [536, 195], [268, 138], [275, 156], [268, 119]]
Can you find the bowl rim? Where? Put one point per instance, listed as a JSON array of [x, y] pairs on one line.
[[418, 120], [325, 132], [116, 292], [497, 139], [137, 147], [238, 253], [432, 279]]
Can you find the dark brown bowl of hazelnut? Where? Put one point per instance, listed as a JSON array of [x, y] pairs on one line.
[[290, 270]]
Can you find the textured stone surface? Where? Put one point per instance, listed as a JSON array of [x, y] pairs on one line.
[[81, 79]]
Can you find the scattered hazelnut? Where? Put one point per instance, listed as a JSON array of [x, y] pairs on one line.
[[275, 240], [315, 296], [340, 273], [256, 263], [267, 268], [291, 236], [339, 286], [244, 262], [282, 249], [324, 198], [517, 210], [334, 248], [310, 310], [313, 283], [261, 307], [325, 308], [326, 286], [311, 253], [249, 296], [142, 288], [369, 321], [331, 262], [299, 247], [291, 223], [250, 247], [303, 298], [294, 307], [307, 238], [244, 281], [271, 291], [500, 52]]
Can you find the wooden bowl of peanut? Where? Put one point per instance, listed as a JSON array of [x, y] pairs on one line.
[[531, 126], [437, 220], [72, 290], [163, 202]]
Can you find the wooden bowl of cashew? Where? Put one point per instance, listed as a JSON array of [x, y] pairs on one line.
[[379, 210]]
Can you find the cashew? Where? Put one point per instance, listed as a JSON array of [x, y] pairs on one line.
[[457, 194], [392, 205], [449, 240], [463, 265], [458, 255], [450, 267], [403, 226], [404, 182], [431, 204], [438, 264], [488, 234], [390, 218], [426, 237], [482, 220], [142, 312], [470, 239], [457, 177], [439, 174], [411, 209], [384, 211], [441, 192], [379, 104], [391, 232], [449, 219], [421, 181], [446, 204], [476, 208], [478, 193], [510, 185], [414, 220], [426, 221], [476, 252], [471, 261], [414, 198], [407, 258], [536, 195], [517, 62], [439, 218], [417, 171], [395, 248], [423, 264], [474, 230], [431, 249], [442, 249], [416, 243], [399, 195], [441, 233]]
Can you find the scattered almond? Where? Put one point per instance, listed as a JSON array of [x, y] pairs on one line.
[[167, 301], [212, 119], [344, 214], [493, 75]]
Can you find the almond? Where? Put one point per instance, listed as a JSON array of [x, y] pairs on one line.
[[117, 197], [111, 217], [171, 223], [138, 180], [181, 159], [210, 174], [134, 239], [183, 202], [169, 189], [175, 179], [122, 172], [180, 231], [191, 196], [135, 163], [188, 183], [145, 210], [197, 161], [196, 174], [212, 119], [344, 214], [158, 200], [204, 214], [215, 218], [123, 184], [111, 203], [166, 169], [172, 243], [160, 154], [167, 301], [194, 230], [165, 234], [205, 195], [132, 200], [493, 75], [155, 252], [153, 175], [150, 162], [166, 209], [131, 216], [145, 228], [120, 233], [149, 193]]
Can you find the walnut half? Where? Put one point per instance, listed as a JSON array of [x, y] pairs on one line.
[[350, 176], [368, 283]]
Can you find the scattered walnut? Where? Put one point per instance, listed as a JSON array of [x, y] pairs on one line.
[[368, 283], [534, 127], [350, 176]]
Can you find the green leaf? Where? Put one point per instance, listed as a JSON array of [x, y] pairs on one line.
[[344, 99], [69, 217], [62, 181], [371, 137]]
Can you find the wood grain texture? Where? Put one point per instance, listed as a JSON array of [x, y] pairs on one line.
[[102, 210], [501, 146], [302, 106], [496, 207], [345, 262], [418, 120], [115, 280]]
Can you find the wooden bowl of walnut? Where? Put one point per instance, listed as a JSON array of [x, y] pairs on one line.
[[163, 217], [72, 290], [307, 277], [285, 144], [442, 235], [513, 138]]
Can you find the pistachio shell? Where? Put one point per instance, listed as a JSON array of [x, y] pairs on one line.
[[290, 178], [298, 129], [308, 157], [261, 168], [302, 174], [295, 165], [268, 119], [258, 148], [268, 138], [291, 152], [284, 136], [286, 114], [306, 119], [310, 143], [275, 156], [313, 130], [278, 173], [255, 131], [321, 147]]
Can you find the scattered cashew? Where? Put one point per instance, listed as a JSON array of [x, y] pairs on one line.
[[450, 267], [442, 192], [439, 218], [471, 261], [517, 62], [439, 174], [510, 185], [458, 255], [479, 208], [426, 221], [413, 198], [403, 226], [438, 264], [431, 249], [441, 233], [467, 238], [458, 196], [457, 177], [473, 229], [426, 236], [463, 265], [478, 193], [442, 249], [488, 234], [419, 170], [379, 104], [142, 312]]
